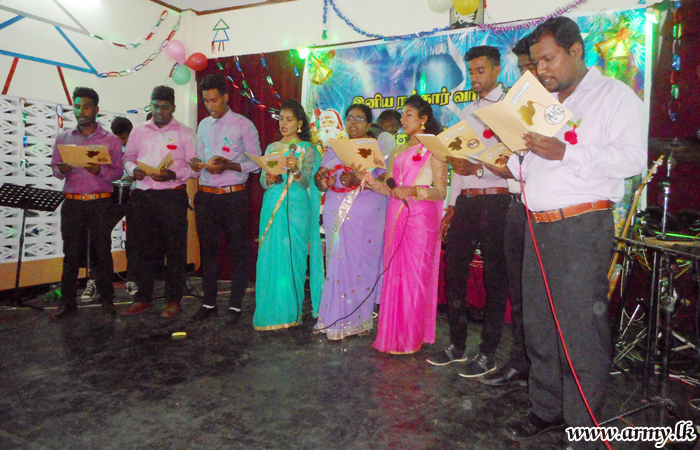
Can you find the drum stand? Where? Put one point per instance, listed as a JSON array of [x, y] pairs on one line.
[[24, 197], [661, 306]]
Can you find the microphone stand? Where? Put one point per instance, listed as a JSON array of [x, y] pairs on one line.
[[666, 186]]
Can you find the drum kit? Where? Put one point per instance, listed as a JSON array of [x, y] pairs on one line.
[[666, 248]]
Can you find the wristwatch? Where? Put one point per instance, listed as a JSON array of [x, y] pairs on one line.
[[480, 171]]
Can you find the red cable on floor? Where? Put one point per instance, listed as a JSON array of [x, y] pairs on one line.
[[551, 304]]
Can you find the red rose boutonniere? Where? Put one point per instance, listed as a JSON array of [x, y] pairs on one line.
[[226, 147], [417, 156], [488, 133], [171, 145], [570, 136]]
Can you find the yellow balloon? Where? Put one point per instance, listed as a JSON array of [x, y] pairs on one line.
[[466, 7]]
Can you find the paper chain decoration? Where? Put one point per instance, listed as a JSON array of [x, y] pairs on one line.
[[488, 27], [675, 61], [247, 92], [130, 46], [79, 28], [154, 55]]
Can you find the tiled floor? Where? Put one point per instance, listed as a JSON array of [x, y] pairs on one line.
[[90, 382]]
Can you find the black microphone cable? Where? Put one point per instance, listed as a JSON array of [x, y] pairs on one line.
[[292, 148], [389, 183]]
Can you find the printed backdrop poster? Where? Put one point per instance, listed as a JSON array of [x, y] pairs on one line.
[[382, 75]]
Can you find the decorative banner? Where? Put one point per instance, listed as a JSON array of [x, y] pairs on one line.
[[383, 75]]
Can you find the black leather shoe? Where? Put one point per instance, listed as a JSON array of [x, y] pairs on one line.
[[232, 315], [529, 427], [504, 376], [64, 311], [204, 313]]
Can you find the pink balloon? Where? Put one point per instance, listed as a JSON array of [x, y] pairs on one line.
[[197, 62], [176, 50]]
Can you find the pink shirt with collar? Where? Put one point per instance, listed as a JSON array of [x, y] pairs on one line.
[[174, 138], [79, 180], [610, 145]]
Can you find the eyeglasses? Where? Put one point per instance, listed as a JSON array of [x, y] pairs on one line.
[[353, 119], [161, 107]]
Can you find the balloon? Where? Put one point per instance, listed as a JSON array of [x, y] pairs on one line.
[[181, 74], [440, 6], [176, 50], [466, 7], [197, 62]]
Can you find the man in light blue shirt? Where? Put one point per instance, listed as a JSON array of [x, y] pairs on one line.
[[221, 204]]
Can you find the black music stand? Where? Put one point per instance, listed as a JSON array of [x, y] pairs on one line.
[[25, 197]]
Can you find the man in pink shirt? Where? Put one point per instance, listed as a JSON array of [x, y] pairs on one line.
[[87, 206], [571, 180], [157, 216]]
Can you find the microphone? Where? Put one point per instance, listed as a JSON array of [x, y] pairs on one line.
[[293, 149], [392, 185]]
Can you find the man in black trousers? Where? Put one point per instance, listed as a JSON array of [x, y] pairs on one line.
[[479, 201], [86, 209], [571, 182], [517, 367], [221, 204]]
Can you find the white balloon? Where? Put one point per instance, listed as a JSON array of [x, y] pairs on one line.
[[440, 6]]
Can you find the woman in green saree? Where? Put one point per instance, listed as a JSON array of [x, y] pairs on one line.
[[289, 228]]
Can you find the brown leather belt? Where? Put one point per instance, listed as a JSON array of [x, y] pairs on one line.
[[570, 211], [223, 189], [89, 196], [485, 191]]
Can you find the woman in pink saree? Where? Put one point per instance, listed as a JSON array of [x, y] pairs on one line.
[[412, 236]]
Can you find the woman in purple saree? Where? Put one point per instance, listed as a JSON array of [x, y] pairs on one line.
[[354, 222], [412, 236]]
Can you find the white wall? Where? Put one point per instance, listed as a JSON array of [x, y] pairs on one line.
[[123, 21]]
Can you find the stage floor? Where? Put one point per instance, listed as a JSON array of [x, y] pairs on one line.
[[89, 383]]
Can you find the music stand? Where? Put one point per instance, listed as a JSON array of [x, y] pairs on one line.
[[25, 197]]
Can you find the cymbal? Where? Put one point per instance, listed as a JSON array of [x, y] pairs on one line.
[[683, 149]]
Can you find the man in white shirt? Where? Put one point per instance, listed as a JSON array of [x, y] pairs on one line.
[[571, 181], [479, 201]]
